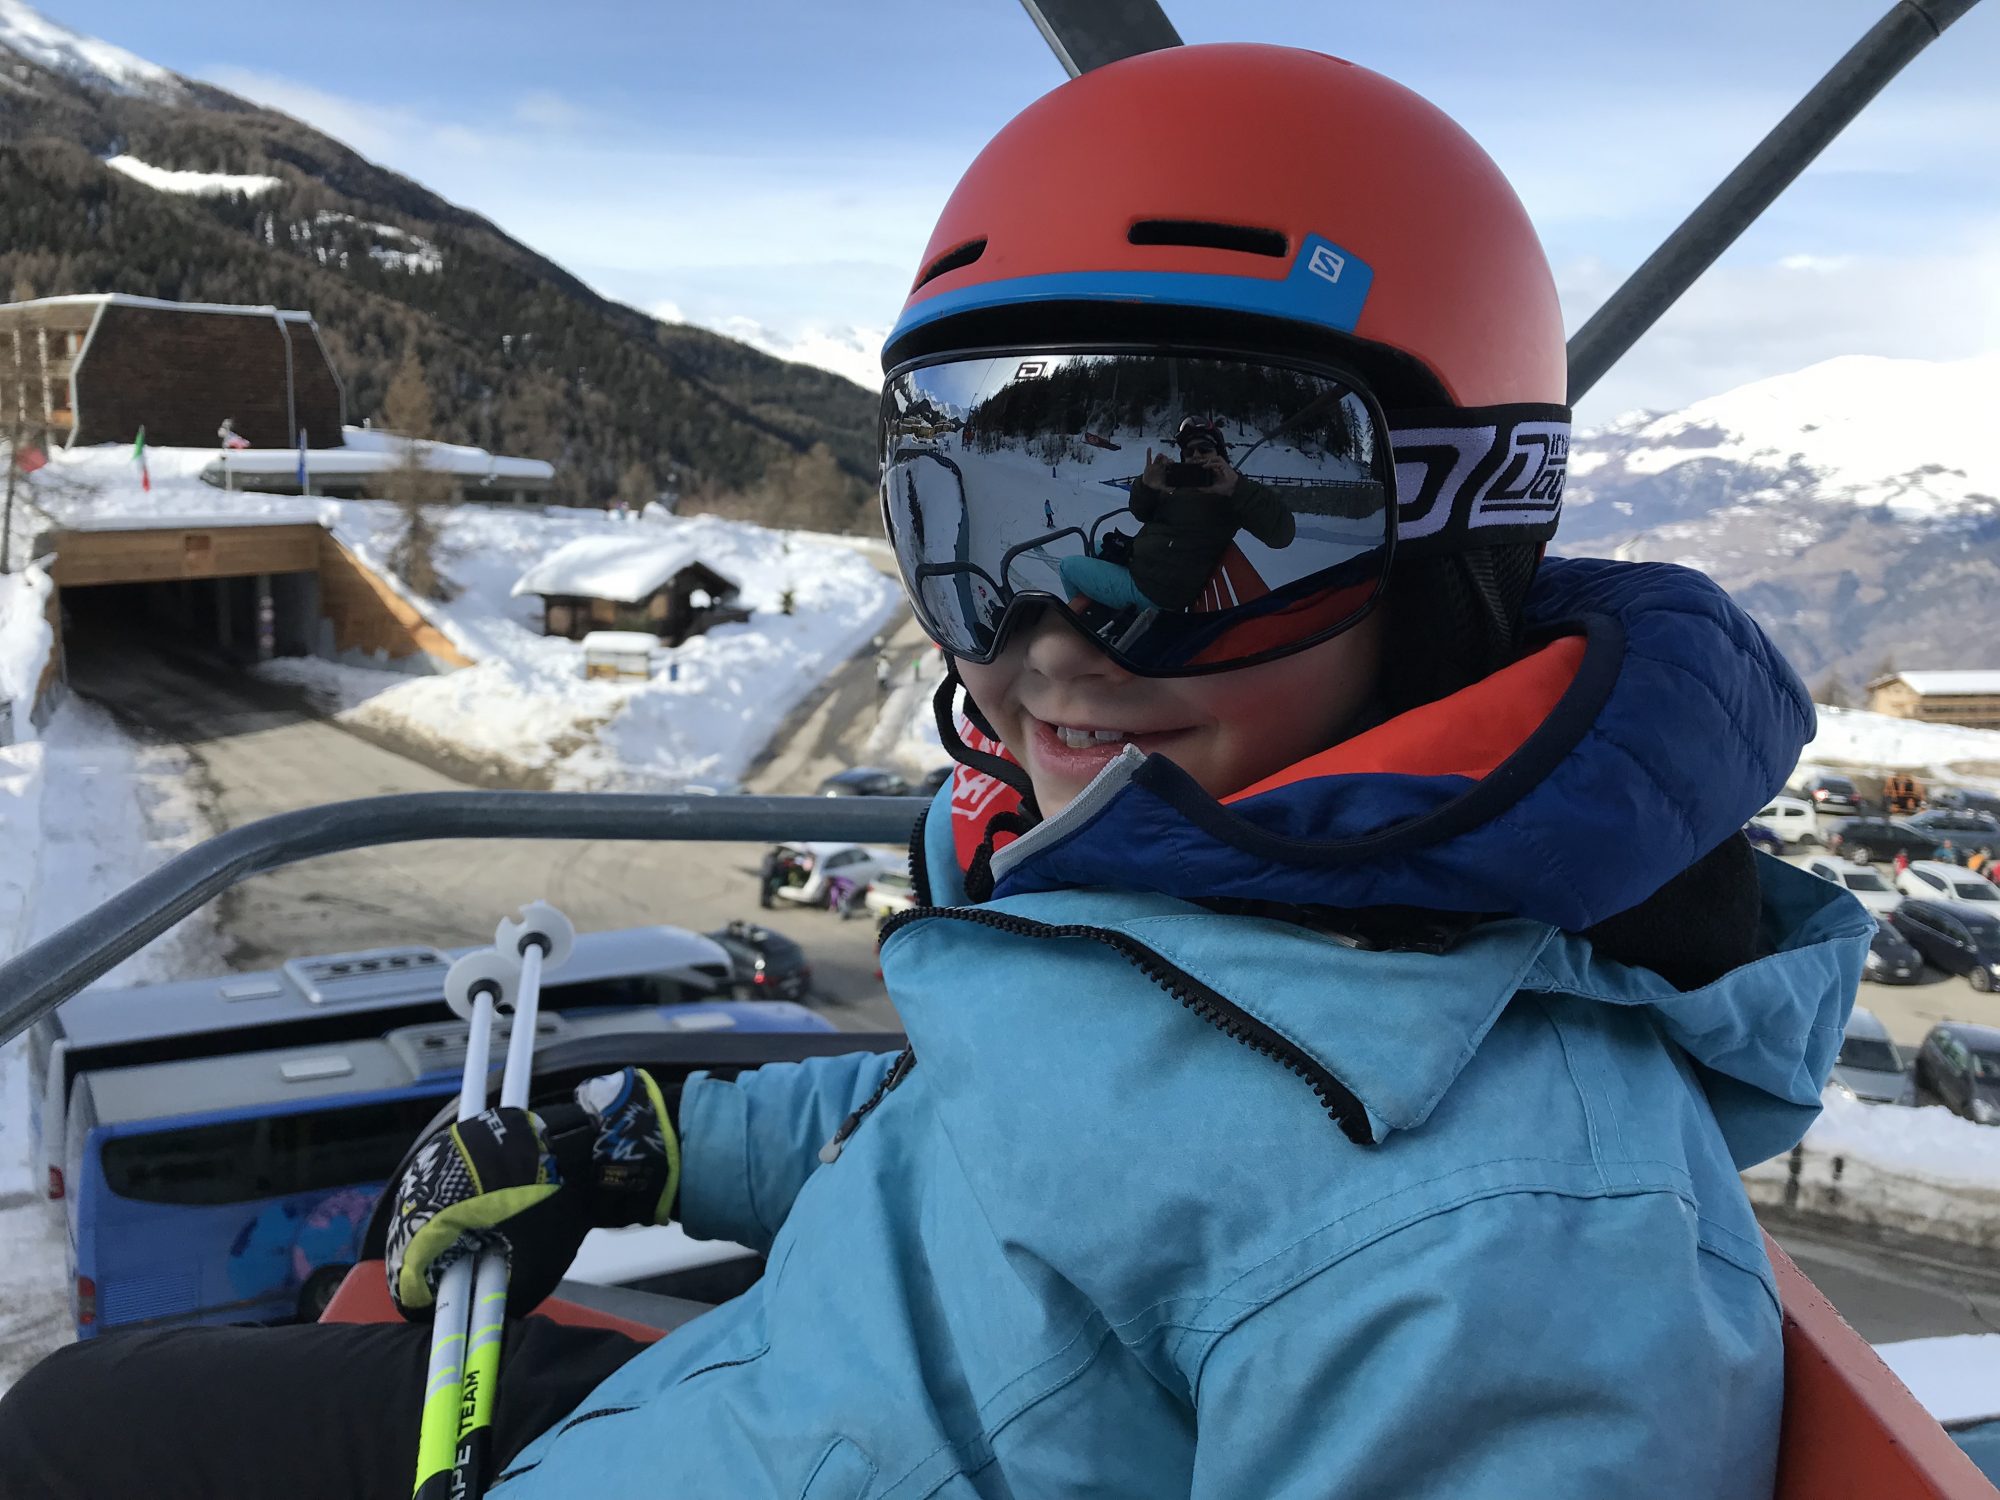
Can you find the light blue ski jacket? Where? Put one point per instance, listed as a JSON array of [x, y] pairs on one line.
[[1176, 1203]]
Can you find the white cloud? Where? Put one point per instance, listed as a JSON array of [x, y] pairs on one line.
[[1747, 320], [387, 133], [547, 108]]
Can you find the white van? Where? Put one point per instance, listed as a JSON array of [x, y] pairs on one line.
[[1792, 819]]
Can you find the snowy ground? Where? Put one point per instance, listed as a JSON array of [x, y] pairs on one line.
[[524, 709], [126, 809], [1854, 738]]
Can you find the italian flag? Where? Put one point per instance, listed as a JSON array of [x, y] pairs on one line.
[[139, 458]]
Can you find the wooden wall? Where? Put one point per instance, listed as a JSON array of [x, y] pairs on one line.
[[157, 555], [369, 617], [179, 374]]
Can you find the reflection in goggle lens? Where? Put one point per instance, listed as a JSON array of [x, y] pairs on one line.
[[1059, 480]]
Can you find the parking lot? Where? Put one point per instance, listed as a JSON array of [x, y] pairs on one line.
[[1910, 1010]]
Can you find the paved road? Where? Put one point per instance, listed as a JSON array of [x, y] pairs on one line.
[[1889, 1296], [259, 751]]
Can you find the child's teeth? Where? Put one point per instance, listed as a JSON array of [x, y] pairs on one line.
[[1083, 739]]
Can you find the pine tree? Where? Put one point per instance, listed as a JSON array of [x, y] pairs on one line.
[[1832, 692], [637, 487], [414, 485]]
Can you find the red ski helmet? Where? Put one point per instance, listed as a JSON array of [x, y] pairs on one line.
[[1279, 203], [1258, 181]]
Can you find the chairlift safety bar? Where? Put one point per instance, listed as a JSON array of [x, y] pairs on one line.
[[50, 971]]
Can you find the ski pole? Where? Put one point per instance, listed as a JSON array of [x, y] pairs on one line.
[[540, 938], [471, 987]]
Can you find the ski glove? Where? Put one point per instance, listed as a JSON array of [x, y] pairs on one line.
[[531, 1186]]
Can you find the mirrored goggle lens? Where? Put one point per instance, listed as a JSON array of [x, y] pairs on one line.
[[1055, 480]]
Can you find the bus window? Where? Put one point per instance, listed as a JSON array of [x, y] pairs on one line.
[[240, 1161]]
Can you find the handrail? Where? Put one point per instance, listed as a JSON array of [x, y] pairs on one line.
[[50, 971]]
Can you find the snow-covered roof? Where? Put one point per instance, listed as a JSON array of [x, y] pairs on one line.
[[628, 569], [1946, 684], [619, 642], [368, 452], [126, 299], [198, 184]]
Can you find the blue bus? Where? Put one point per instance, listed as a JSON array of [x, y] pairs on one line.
[[236, 1189], [338, 997]]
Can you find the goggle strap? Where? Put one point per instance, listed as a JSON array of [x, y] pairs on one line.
[[1475, 477]]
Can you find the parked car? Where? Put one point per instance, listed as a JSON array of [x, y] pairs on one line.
[[764, 965], [1867, 886], [1946, 882], [1870, 1066], [1956, 936], [865, 781], [1891, 959], [1793, 819], [1865, 840], [889, 893], [935, 778], [814, 874], [1959, 1066], [1960, 799], [1762, 837], [1965, 831], [1834, 796]]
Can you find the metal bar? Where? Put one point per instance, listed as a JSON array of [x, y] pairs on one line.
[[1086, 34], [59, 965], [1745, 193]]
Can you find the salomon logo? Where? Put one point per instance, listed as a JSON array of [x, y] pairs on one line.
[[1327, 263]]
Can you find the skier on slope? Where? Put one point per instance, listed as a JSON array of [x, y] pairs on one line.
[[1338, 1022]]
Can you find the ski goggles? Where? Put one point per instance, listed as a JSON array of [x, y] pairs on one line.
[[1017, 482], [1027, 480]]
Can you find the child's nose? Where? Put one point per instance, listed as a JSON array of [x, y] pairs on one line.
[[1059, 649]]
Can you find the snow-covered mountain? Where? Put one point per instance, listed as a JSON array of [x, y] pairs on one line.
[[853, 352], [117, 175], [1853, 507], [34, 38]]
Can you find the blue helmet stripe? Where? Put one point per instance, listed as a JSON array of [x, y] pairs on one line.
[[1326, 286]]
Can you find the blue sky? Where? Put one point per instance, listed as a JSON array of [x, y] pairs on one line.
[[781, 161]]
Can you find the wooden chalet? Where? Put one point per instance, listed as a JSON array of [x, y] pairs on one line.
[[631, 582]]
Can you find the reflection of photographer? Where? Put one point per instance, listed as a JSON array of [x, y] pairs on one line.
[[1189, 513]]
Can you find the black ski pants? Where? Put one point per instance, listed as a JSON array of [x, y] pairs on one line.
[[317, 1412]]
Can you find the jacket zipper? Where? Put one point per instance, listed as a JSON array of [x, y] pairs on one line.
[[1216, 1009]]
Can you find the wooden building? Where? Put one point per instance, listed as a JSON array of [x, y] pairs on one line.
[[96, 368], [1968, 698], [630, 582]]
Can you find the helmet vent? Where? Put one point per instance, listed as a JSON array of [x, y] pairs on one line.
[[951, 260], [1208, 236]]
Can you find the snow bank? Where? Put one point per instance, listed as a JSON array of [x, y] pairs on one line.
[[1918, 1171], [83, 813], [1957, 1377], [524, 711], [25, 643], [197, 184]]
